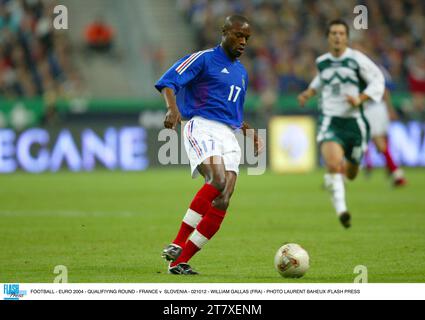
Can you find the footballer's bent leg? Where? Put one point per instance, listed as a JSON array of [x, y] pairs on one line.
[[213, 170], [214, 184], [211, 222], [351, 170], [333, 154], [223, 200], [397, 174]]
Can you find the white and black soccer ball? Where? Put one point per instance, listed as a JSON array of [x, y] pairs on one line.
[[291, 261]]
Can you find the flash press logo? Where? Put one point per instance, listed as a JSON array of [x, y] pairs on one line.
[[12, 292]]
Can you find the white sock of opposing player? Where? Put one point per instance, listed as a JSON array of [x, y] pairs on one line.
[[334, 182]]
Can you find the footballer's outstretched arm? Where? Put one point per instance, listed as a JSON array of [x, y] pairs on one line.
[[313, 88], [357, 101], [173, 115], [248, 131], [176, 78], [306, 95], [374, 79]]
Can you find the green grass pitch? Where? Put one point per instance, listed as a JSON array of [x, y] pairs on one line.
[[111, 227]]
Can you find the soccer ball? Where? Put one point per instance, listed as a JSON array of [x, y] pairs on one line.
[[291, 261]]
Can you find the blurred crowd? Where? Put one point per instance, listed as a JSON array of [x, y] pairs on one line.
[[35, 58], [289, 34]]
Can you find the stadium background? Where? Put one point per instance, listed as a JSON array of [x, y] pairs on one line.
[[68, 103], [55, 79]]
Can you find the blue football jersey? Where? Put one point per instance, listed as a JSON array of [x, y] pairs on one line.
[[210, 85]]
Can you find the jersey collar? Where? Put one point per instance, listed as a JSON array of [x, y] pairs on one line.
[[223, 54], [346, 52]]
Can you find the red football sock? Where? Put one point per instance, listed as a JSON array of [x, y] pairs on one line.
[[389, 159], [198, 208], [184, 233], [210, 224], [205, 230]]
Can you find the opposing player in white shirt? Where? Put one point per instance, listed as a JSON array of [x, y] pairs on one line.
[[379, 115], [346, 79]]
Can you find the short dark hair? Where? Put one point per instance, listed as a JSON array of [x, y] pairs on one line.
[[230, 20], [337, 22]]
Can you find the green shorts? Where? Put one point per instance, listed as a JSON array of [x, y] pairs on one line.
[[352, 134]]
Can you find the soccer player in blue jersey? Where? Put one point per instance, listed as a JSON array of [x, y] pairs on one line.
[[207, 89]]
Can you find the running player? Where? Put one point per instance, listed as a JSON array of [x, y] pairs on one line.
[[212, 84], [379, 115], [346, 79]]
